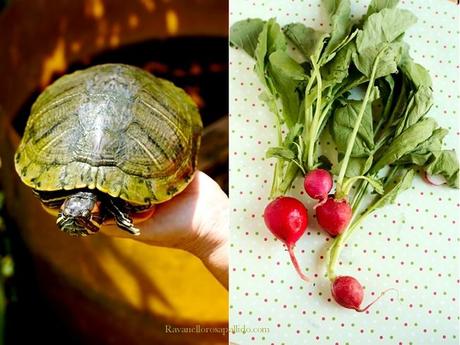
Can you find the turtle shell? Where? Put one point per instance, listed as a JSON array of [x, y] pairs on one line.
[[114, 128]]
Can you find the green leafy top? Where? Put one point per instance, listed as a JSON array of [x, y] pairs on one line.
[[245, 34], [339, 15], [391, 125]]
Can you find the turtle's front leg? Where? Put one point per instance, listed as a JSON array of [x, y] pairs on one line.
[[121, 214]]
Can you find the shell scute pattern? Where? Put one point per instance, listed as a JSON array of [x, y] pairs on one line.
[[114, 128]]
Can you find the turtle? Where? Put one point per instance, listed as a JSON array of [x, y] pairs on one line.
[[108, 141]]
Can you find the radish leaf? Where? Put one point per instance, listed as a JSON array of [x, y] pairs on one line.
[[280, 152], [308, 41], [343, 123], [378, 5], [245, 34], [339, 14], [406, 143], [446, 165], [286, 76]]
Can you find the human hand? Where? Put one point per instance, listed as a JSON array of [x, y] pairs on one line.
[[196, 220]]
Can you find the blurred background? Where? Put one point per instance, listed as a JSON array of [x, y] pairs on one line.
[[102, 290]]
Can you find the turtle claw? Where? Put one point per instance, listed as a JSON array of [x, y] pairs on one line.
[[122, 217], [127, 225], [135, 231]]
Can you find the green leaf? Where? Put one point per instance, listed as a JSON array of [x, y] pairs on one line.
[[287, 66], [406, 143], [381, 34], [385, 26], [280, 152], [245, 34], [446, 165], [388, 53], [293, 133], [386, 87], [357, 166], [291, 172], [270, 101], [270, 40], [345, 189], [308, 41], [376, 184], [336, 70], [343, 124], [339, 14], [425, 150], [396, 114], [418, 74], [286, 76], [418, 106], [378, 5], [394, 187]]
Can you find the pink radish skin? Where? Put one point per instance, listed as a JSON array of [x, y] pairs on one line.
[[318, 184], [348, 292], [435, 180], [334, 215], [287, 219]]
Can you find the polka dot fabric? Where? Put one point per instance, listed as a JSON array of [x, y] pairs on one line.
[[411, 246]]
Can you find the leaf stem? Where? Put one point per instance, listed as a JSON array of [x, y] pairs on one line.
[[335, 249], [351, 140], [346, 187], [358, 196], [308, 119], [324, 112], [316, 118], [289, 176], [277, 177]]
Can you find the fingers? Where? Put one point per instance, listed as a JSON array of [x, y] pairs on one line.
[[180, 218]]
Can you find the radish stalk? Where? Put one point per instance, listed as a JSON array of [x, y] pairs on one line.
[[335, 249], [348, 184], [351, 141], [278, 174], [315, 123], [334, 215]]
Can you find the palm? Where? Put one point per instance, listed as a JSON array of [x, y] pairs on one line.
[[186, 220]]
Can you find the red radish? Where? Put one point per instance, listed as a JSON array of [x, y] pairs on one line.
[[348, 292], [287, 219], [334, 215], [318, 184], [435, 180]]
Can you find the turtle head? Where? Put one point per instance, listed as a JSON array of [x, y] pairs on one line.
[[76, 216]]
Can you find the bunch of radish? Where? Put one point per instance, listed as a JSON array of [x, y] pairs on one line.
[[287, 219], [333, 214], [379, 148]]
